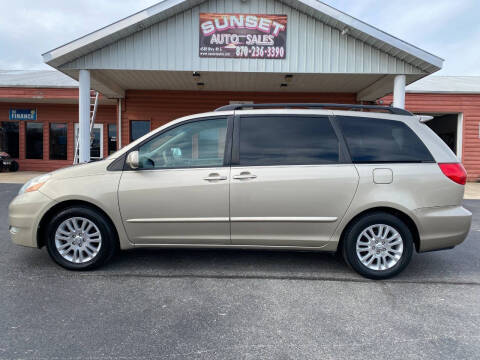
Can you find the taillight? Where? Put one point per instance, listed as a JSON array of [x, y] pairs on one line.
[[455, 172]]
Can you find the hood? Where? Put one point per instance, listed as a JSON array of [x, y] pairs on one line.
[[81, 170]]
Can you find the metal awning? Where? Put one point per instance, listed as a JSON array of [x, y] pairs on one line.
[[327, 51]]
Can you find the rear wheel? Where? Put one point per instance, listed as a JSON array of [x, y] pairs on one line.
[[80, 238], [378, 245]]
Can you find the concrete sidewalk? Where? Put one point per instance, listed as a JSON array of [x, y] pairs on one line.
[[472, 190], [19, 177]]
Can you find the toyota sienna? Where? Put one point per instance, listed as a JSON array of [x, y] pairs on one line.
[[373, 183]]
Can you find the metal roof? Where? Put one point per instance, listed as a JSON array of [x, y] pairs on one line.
[[446, 84], [36, 79], [40, 79], [168, 8]]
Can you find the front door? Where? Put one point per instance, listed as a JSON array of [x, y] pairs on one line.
[[96, 147], [180, 193], [291, 185]]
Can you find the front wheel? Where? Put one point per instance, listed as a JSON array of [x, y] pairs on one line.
[[378, 245], [80, 238]]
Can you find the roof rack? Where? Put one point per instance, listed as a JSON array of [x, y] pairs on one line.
[[392, 110]]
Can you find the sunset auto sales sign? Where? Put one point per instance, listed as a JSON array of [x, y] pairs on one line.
[[243, 36]]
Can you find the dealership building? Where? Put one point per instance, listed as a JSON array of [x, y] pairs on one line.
[[182, 57]]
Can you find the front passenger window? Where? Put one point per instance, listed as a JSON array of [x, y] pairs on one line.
[[195, 144]]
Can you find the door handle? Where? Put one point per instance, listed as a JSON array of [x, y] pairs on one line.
[[245, 176], [215, 177]]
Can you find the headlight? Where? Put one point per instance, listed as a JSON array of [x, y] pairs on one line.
[[34, 184]]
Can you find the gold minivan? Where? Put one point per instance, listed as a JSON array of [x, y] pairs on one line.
[[375, 185]]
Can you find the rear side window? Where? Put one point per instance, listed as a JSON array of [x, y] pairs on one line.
[[287, 140], [382, 141]]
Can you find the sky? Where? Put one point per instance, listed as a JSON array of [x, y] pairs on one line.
[[447, 28]]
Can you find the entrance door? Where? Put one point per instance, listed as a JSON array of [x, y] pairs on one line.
[[179, 194], [291, 186], [96, 149]]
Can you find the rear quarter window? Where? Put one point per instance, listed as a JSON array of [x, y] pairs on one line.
[[371, 140]]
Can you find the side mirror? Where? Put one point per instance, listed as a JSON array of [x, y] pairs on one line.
[[132, 160]]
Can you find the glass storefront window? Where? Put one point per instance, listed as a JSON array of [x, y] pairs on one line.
[[138, 128], [34, 140], [112, 138], [9, 138], [58, 141]]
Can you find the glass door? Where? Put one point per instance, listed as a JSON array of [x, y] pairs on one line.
[[96, 149]]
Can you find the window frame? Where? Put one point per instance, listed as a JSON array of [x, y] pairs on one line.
[[226, 155], [337, 117], [76, 129], [343, 154]]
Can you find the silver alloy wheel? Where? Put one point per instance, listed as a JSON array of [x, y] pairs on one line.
[[78, 240], [379, 247]]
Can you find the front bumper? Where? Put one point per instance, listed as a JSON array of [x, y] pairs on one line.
[[442, 227], [24, 213]]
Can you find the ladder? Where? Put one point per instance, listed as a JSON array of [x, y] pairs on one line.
[[93, 113]]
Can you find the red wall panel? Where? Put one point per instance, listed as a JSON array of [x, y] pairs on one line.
[[39, 93], [161, 107]]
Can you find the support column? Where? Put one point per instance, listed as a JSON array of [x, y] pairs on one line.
[[84, 116], [399, 91]]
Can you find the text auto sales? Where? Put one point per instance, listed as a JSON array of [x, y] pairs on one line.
[[243, 36]]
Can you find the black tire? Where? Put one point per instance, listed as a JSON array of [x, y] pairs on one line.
[[108, 244], [355, 229], [14, 166]]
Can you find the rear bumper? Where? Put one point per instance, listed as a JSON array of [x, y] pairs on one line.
[[24, 213], [442, 227]]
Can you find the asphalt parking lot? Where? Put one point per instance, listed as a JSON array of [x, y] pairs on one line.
[[194, 304]]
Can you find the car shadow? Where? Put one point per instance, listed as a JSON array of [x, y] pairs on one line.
[[435, 267], [267, 264], [229, 263]]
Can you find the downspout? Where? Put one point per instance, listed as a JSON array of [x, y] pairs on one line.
[[119, 126]]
